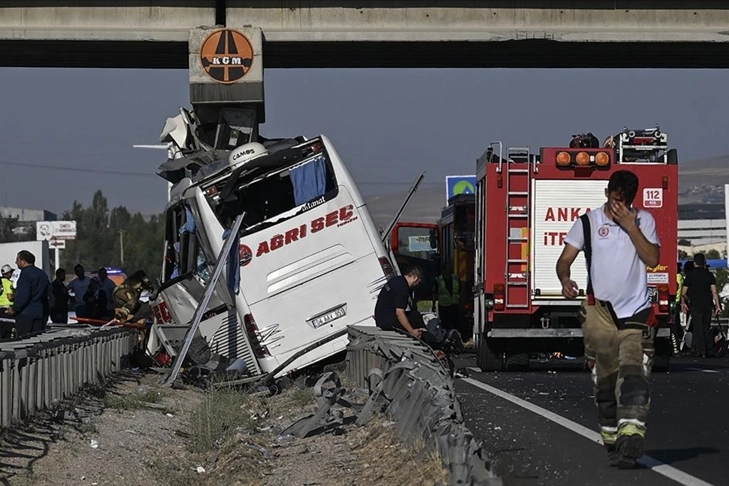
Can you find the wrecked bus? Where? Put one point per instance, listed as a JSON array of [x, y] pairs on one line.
[[308, 263]]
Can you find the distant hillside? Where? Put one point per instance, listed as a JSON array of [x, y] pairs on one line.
[[702, 181], [425, 206]]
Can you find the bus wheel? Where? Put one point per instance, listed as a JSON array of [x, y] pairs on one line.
[[485, 357]]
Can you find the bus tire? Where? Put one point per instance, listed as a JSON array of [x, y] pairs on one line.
[[485, 357]]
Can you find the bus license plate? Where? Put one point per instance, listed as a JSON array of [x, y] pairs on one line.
[[329, 316]]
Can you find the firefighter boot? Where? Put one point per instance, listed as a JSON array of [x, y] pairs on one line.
[[629, 445]]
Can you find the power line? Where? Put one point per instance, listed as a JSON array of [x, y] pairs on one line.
[[393, 183], [76, 169], [143, 174]]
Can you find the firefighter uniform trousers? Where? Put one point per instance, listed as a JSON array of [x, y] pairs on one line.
[[620, 355]]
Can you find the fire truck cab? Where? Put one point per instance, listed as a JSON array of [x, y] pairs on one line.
[[525, 205]]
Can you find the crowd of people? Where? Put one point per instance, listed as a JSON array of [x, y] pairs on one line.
[[28, 305]]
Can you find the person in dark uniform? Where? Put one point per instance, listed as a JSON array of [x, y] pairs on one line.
[[30, 307], [700, 299], [59, 298], [393, 303]]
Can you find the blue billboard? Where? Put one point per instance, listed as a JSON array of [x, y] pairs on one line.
[[460, 184]]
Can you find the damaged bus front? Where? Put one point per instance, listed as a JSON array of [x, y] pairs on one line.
[[308, 263]]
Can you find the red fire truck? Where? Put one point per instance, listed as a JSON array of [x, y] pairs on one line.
[[525, 205]]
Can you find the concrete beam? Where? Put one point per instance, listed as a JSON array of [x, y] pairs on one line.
[[161, 21], [383, 33], [454, 20]]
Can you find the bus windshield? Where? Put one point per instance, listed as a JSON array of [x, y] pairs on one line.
[[276, 195]]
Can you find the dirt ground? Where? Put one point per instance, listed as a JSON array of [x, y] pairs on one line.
[[137, 432]]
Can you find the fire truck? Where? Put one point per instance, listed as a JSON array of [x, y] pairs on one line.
[[450, 241], [526, 203]]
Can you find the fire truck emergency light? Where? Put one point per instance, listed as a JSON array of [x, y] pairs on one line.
[[568, 159]]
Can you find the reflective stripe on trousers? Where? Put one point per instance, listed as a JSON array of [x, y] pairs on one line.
[[622, 361]]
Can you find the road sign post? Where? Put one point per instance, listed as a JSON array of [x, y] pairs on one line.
[[56, 233]]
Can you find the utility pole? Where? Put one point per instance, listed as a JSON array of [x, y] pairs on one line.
[[121, 247]]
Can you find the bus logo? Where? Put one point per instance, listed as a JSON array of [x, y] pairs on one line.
[[226, 55], [245, 255]]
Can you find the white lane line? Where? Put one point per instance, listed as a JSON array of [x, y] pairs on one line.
[[703, 370], [654, 464]]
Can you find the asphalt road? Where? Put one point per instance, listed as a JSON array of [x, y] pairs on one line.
[[688, 428]]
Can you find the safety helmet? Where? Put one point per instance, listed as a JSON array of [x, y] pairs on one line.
[[6, 269]]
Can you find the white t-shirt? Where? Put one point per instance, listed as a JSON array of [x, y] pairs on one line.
[[618, 275]]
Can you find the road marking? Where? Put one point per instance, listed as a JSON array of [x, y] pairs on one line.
[[703, 370], [654, 464]]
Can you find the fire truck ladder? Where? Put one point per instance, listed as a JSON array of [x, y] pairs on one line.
[[519, 166]]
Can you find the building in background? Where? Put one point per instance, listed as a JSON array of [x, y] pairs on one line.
[[26, 218], [702, 228]]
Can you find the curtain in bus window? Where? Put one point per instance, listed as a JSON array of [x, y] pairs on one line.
[[309, 180], [189, 226]]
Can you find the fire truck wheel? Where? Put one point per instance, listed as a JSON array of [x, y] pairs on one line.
[[517, 361], [485, 358]]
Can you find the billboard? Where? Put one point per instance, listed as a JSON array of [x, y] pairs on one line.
[[460, 184], [55, 230]]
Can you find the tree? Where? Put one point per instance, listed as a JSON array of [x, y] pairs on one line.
[[101, 233], [12, 230], [682, 255], [713, 255], [7, 225]]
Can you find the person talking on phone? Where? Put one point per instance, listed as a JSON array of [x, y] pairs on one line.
[[618, 324]]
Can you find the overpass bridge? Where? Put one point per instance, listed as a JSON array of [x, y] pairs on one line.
[[378, 33]]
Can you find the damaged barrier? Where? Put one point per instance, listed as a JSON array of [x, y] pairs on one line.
[[39, 371], [405, 378]]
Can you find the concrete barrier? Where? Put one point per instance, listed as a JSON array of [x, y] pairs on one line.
[[409, 382], [39, 371]]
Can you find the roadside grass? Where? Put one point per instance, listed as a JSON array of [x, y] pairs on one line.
[[133, 401], [174, 472], [222, 414]]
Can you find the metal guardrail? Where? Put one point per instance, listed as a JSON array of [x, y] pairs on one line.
[[403, 375], [37, 372]]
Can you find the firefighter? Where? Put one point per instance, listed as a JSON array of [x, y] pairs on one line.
[[449, 297], [617, 316], [127, 295]]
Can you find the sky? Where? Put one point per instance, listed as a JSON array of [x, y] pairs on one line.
[[67, 133]]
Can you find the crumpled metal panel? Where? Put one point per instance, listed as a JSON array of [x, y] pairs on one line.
[[405, 378], [37, 372]]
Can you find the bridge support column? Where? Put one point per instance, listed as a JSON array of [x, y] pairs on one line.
[[226, 81]]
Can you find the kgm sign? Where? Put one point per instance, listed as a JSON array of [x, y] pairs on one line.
[[226, 55]]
